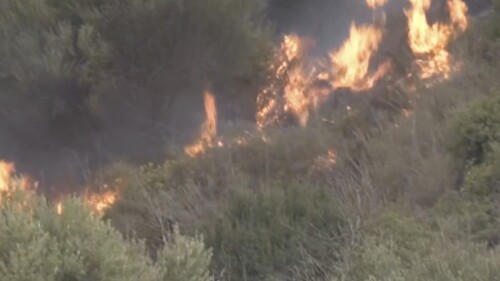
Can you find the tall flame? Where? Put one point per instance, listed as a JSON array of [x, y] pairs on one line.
[[6, 171], [287, 91], [208, 129], [352, 61], [458, 14], [429, 42]]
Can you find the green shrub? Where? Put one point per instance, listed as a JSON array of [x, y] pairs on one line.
[[185, 259], [403, 249], [459, 216], [272, 232], [475, 130], [446, 261], [38, 44], [37, 243], [483, 179]]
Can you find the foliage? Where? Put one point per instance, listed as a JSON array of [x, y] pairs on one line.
[[476, 129], [460, 217], [185, 259], [483, 179], [203, 34], [446, 261], [400, 248], [37, 243], [268, 233], [38, 44], [257, 230], [174, 49]]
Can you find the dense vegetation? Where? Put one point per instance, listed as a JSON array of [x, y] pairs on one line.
[[412, 197]]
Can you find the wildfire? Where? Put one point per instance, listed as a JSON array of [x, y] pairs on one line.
[[376, 3], [291, 89], [6, 171], [429, 42], [286, 90], [351, 63], [98, 202], [209, 128], [292, 48], [458, 14], [8, 185]]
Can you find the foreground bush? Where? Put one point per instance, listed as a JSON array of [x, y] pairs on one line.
[[400, 253], [37, 243], [476, 130], [271, 234]]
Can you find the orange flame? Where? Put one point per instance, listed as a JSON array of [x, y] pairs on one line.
[[429, 42], [6, 171], [376, 3], [209, 128], [99, 202], [458, 14], [8, 186], [271, 101], [351, 63], [209, 131], [289, 88]]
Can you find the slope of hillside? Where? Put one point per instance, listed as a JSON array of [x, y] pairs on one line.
[[391, 173]]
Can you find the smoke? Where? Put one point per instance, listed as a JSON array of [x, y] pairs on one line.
[[63, 137]]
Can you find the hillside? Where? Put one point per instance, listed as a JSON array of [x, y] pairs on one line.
[[231, 140]]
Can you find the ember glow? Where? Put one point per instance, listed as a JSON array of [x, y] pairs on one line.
[[325, 162], [209, 128], [429, 42], [351, 63]]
